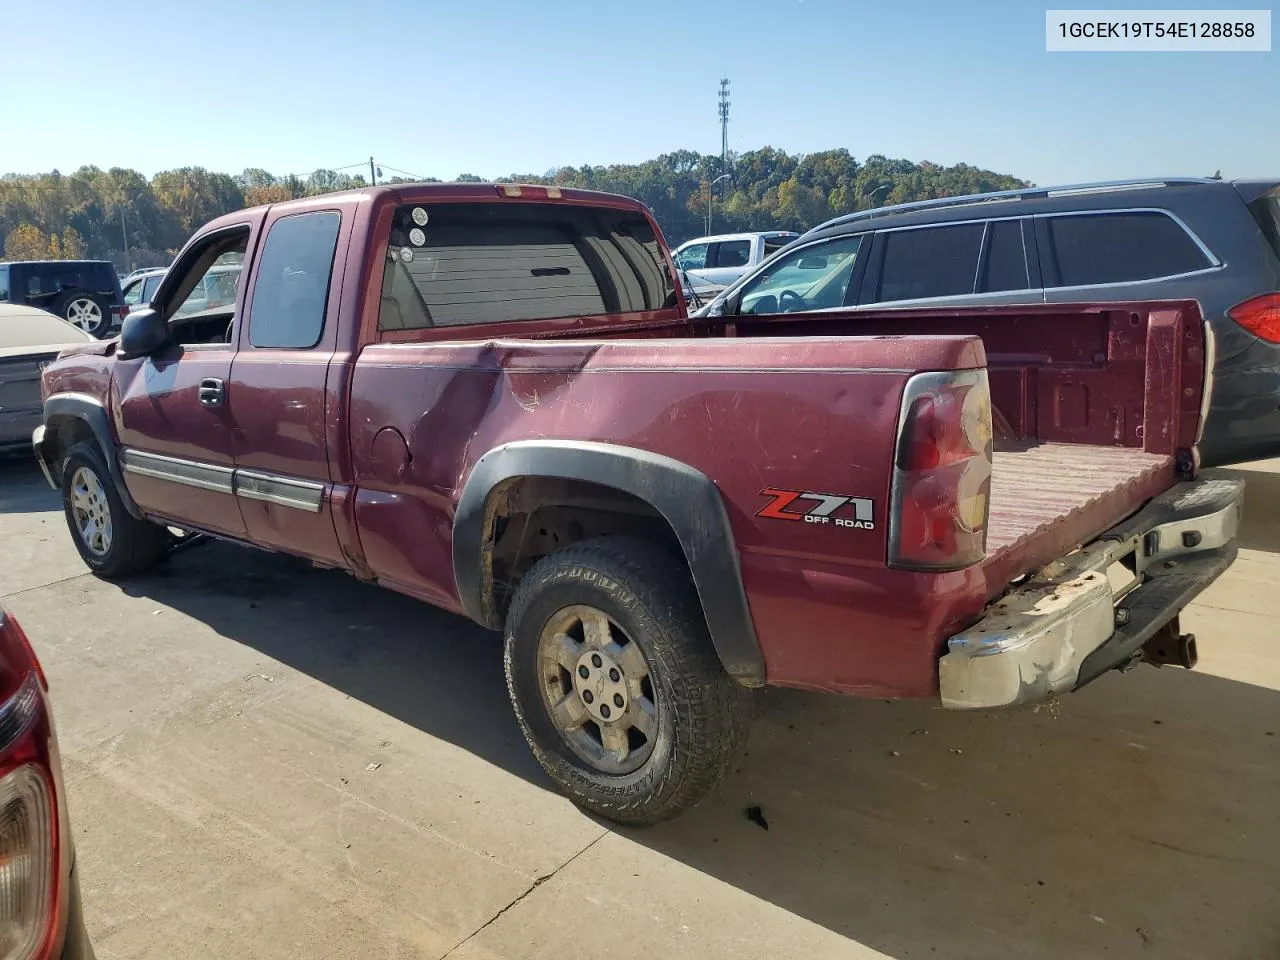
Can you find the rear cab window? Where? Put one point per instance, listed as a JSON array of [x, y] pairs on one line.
[[773, 244], [1122, 247], [464, 264]]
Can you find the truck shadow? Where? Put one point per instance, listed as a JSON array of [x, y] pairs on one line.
[[1134, 819], [22, 486]]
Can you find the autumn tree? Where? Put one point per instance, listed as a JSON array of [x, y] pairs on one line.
[[26, 242], [768, 188]]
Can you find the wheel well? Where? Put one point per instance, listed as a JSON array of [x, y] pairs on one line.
[[527, 518], [61, 434]]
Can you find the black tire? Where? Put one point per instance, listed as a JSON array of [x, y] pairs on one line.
[[133, 545], [67, 308], [702, 713]]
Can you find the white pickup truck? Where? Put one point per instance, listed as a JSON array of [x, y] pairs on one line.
[[712, 263]]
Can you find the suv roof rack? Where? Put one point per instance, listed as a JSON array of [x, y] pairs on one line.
[[1003, 196]]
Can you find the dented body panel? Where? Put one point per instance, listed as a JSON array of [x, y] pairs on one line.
[[765, 445]]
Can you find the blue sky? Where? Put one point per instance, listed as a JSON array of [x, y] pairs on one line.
[[493, 87]]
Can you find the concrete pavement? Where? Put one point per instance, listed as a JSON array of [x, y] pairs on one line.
[[269, 761]]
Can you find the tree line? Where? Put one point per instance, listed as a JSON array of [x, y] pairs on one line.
[[120, 215]]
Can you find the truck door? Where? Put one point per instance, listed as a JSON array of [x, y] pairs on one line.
[[175, 415], [279, 378]]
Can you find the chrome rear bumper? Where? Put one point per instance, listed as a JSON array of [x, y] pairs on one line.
[[1093, 609]]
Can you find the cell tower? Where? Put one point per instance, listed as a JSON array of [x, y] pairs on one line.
[[724, 124]]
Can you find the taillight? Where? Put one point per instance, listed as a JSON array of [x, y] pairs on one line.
[[942, 472], [1260, 316], [30, 864]]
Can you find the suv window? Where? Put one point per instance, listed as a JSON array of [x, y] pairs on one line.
[[150, 286], [931, 262], [694, 257], [4, 283], [1006, 261], [733, 253], [133, 293], [292, 288], [1265, 210], [1117, 248], [812, 278], [502, 262]]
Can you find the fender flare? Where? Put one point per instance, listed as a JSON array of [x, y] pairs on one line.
[[81, 406], [684, 496]]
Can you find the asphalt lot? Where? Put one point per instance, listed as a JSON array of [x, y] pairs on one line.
[[269, 761]]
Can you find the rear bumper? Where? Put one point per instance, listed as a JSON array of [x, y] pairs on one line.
[[1075, 619]]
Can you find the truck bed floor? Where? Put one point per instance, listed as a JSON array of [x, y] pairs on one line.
[[1047, 499]]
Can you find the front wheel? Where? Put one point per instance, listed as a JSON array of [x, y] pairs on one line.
[[111, 541], [615, 682]]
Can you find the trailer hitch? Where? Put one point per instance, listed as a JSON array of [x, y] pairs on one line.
[[1171, 647]]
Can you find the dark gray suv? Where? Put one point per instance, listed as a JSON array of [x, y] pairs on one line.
[[1213, 241]]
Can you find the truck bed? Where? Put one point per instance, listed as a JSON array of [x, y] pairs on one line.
[[1048, 498]]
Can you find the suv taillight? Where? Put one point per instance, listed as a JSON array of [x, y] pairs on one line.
[[1260, 316], [942, 472], [29, 831]]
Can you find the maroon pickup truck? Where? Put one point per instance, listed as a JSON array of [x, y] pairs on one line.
[[491, 398]]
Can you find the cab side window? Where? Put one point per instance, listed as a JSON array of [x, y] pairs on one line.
[[694, 257], [732, 253], [292, 288]]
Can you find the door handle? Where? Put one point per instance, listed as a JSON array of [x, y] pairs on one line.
[[212, 392]]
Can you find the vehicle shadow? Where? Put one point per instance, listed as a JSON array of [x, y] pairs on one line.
[[23, 488], [1136, 818]]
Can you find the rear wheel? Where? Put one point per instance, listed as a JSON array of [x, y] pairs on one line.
[[81, 309], [616, 684], [111, 541]]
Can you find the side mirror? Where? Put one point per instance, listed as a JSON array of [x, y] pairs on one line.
[[143, 333]]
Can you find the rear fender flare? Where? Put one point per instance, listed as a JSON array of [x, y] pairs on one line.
[[684, 496], [81, 406]]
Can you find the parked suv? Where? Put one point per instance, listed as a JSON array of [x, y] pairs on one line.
[[83, 292], [1214, 241]]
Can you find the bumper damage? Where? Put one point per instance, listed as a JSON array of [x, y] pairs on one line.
[[1094, 609]]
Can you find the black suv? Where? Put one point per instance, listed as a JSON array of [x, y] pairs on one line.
[[84, 292], [1213, 241]]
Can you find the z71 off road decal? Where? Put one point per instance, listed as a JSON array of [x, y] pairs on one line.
[[851, 512]]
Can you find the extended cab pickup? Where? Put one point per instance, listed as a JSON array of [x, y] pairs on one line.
[[709, 264], [491, 398]]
